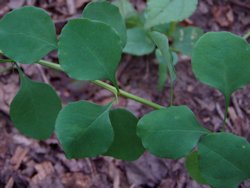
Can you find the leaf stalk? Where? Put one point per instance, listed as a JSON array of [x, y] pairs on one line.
[[106, 86]]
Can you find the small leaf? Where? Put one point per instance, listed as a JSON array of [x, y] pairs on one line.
[[185, 38], [171, 132], [84, 129], [138, 42], [222, 60], [89, 50], [108, 14], [27, 34], [224, 159], [193, 168], [34, 109], [161, 42], [163, 68], [126, 145], [126, 8], [128, 13], [165, 11]]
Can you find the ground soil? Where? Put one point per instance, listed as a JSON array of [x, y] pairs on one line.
[[28, 163]]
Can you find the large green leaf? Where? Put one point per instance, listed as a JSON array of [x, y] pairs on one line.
[[109, 14], [224, 160], [185, 38], [84, 129], [165, 11], [34, 109], [192, 165], [171, 132], [222, 60], [138, 42], [89, 50], [161, 42], [126, 145], [27, 34]]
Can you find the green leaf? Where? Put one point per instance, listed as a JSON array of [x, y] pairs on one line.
[[126, 145], [34, 109], [129, 14], [138, 42], [171, 132], [162, 28], [222, 60], [224, 160], [89, 50], [193, 168], [126, 9], [27, 34], [163, 68], [161, 42], [84, 129], [185, 38], [108, 14], [165, 11]]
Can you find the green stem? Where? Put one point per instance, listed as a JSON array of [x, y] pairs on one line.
[[171, 93], [108, 87], [246, 35], [6, 60], [172, 28], [227, 101]]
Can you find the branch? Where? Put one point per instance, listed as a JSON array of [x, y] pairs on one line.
[[103, 85]]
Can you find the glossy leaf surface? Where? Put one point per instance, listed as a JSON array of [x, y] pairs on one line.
[[27, 34], [126, 145], [84, 129], [34, 109], [138, 42], [108, 14], [222, 60], [165, 11], [224, 160], [89, 50], [171, 132]]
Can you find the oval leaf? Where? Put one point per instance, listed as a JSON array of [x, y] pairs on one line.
[[89, 50], [84, 129], [224, 159], [222, 60], [139, 42], [165, 11], [34, 109], [27, 34], [108, 14], [126, 145], [171, 132]]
